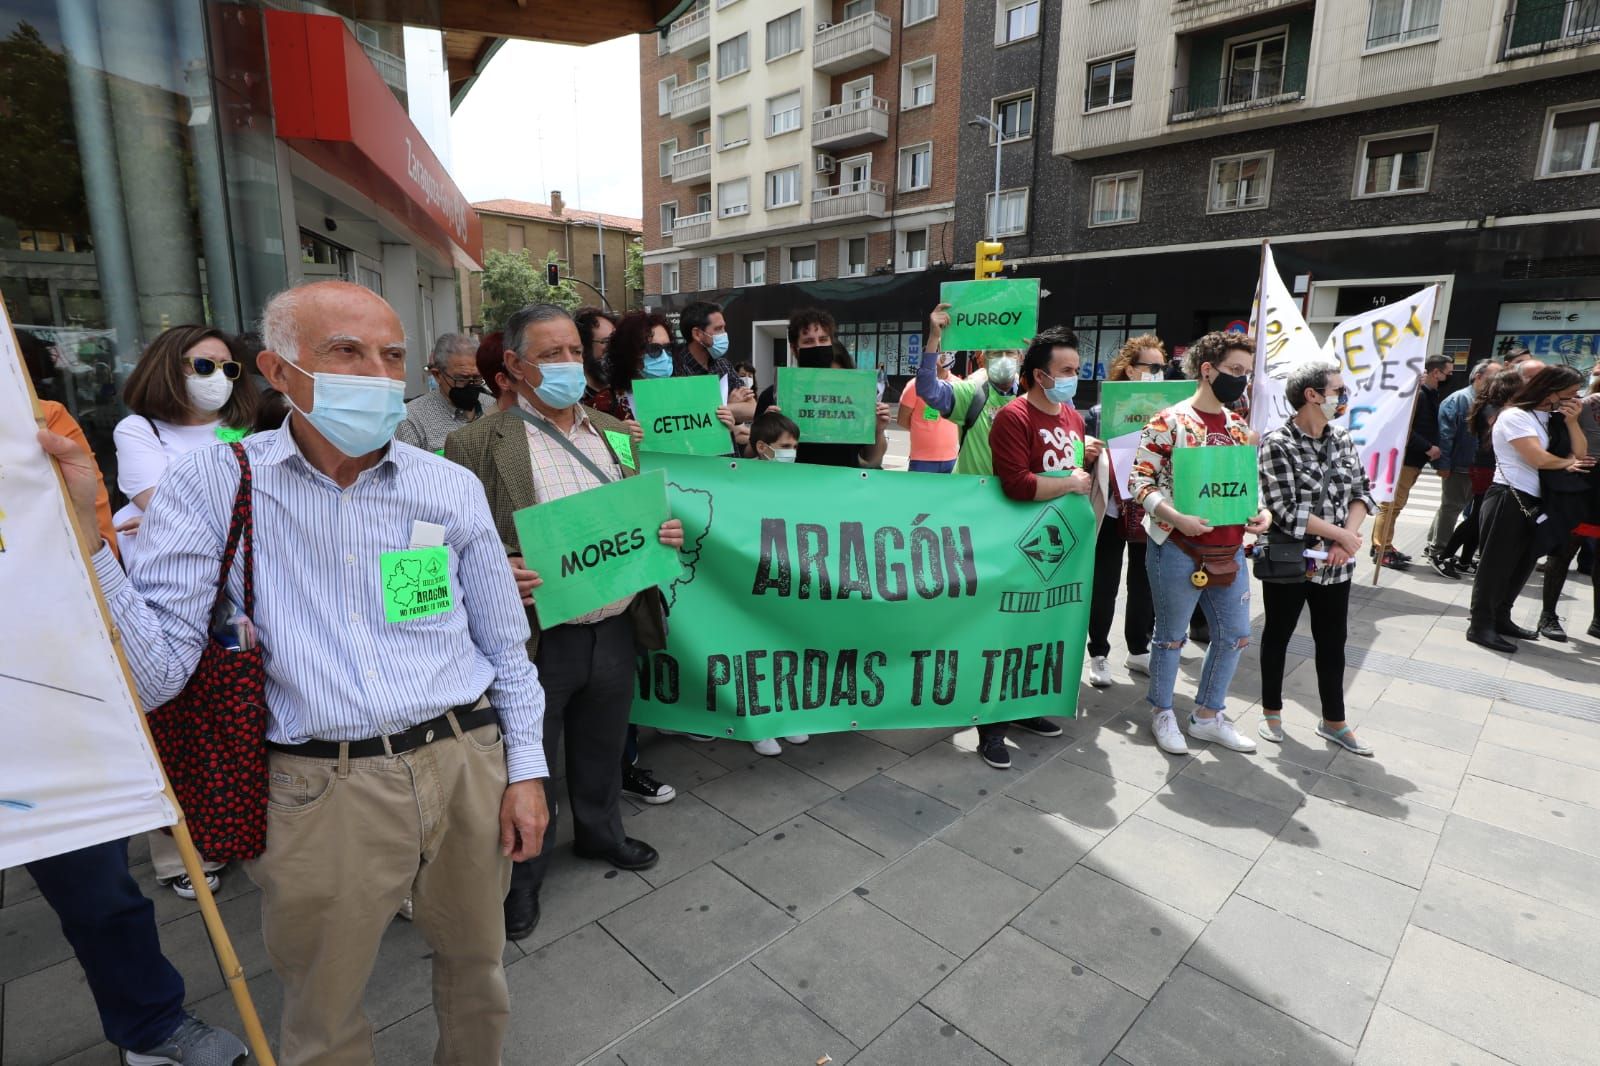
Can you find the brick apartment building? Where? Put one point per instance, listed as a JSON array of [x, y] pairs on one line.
[[574, 236]]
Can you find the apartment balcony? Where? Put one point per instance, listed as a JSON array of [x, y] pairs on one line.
[[851, 123], [1540, 26], [692, 229], [390, 67], [851, 44], [693, 165], [1189, 15], [692, 102], [691, 35], [856, 199], [1240, 91]]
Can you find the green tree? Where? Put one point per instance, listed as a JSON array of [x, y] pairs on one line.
[[633, 273], [511, 282]]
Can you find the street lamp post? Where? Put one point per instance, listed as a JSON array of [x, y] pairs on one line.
[[979, 122]]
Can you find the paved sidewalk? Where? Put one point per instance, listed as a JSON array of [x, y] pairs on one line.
[[888, 900]]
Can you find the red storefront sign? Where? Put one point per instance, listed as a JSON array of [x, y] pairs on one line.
[[332, 106]]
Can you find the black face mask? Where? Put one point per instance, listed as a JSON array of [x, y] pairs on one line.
[[1228, 387], [465, 397], [816, 357]]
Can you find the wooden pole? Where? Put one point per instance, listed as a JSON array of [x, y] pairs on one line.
[[227, 959]]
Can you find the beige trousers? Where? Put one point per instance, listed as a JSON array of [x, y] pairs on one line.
[[167, 861], [1383, 528], [347, 841]]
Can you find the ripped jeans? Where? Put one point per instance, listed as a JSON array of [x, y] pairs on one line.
[[1227, 610]]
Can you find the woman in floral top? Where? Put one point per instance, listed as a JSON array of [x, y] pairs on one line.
[[1220, 363], [1313, 485]]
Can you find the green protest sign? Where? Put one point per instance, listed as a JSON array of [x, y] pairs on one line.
[[416, 583], [993, 315], [826, 600], [679, 415], [1125, 406], [830, 406], [1217, 482], [595, 547], [622, 444]]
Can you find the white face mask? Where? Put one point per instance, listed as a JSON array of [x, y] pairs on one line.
[[782, 455], [210, 393]]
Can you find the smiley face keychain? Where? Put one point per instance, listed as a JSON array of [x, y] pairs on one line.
[[1200, 579]]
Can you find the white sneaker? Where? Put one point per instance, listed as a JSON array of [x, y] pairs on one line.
[[798, 738], [1219, 730], [767, 747], [1164, 724], [1099, 672], [185, 888], [1138, 664], [406, 911]]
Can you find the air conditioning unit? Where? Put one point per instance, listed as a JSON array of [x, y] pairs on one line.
[[826, 164], [824, 26]]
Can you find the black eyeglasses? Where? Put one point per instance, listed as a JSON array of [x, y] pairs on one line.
[[204, 367], [1150, 366], [460, 382]]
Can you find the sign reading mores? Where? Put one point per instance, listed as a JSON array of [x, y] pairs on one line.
[[829, 600], [993, 315]]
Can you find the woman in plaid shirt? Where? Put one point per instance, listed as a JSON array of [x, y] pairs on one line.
[[1313, 485]]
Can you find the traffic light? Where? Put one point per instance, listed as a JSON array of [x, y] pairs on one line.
[[988, 263], [552, 275]]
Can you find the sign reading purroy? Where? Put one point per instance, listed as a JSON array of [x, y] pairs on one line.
[[999, 314], [333, 107]]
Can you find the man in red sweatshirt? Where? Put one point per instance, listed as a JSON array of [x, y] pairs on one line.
[[1040, 452]]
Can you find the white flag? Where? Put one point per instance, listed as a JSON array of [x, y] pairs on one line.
[[1282, 340]]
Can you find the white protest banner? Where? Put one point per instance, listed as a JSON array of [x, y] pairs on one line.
[[1282, 340], [75, 767]]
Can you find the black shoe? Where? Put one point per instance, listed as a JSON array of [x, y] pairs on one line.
[[637, 782], [522, 912], [994, 752], [1507, 628], [1042, 726], [1491, 640], [1465, 566], [1443, 567], [1402, 556], [1393, 560], [1550, 628], [1594, 629], [631, 854], [1200, 634]]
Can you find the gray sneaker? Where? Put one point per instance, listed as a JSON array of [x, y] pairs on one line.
[[193, 1044]]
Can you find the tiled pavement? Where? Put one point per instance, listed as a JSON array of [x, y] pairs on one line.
[[887, 900]]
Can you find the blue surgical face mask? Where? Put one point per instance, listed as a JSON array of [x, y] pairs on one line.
[[562, 384], [355, 413], [719, 345], [658, 363], [1063, 390]]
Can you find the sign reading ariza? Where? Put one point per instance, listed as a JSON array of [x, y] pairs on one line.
[[824, 600], [1218, 483], [994, 315]]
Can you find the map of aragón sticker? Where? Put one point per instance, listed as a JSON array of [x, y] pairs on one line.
[[416, 583]]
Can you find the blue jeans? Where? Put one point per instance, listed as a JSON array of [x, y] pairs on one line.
[[112, 928], [1227, 611], [931, 466]]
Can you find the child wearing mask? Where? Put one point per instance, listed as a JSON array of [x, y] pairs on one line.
[[775, 438]]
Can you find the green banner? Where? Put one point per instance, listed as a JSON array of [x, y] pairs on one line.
[[1217, 482], [1125, 406], [992, 315], [679, 415], [595, 547], [830, 406], [816, 600]]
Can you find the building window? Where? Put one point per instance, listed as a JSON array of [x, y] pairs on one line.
[[516, 238], [1015, 20], [1398, 21], [733, 129], [1241, 182], [753, 268], [783, 187], [855, 258], [916, 167], [1116, 199], [914, 249], [662, 48], [665, 153], [708, 272], [1014, 116], [733, 198], [702, 204], [664, 89], [1395, 163], [1256, 68], [1110, 83], [920, 11], [916, 84], [1008, 217], [803, 263], [669, 278], [1570, 141], [783, 113], [785, 36], [598, 263], [854, 9], [733, 56], [669, 218]]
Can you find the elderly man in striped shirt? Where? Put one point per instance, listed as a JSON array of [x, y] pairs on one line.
[[406, 756]]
